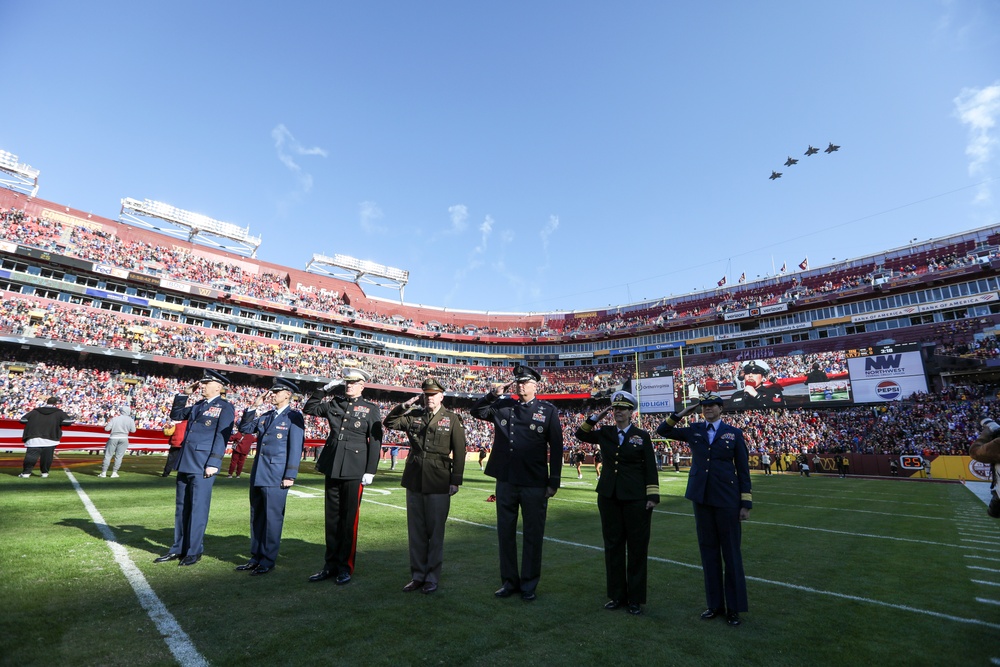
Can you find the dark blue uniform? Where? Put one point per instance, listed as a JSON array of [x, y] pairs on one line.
[[525, 460], [351, 451], [209, 425], [718, 485], [279, 448], [627, 483]]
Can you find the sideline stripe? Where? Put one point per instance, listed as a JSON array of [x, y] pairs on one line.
[[768, 492], [782, 584], [984, 569], [985, 583], [178, 642], [988, 601], [997, 560]]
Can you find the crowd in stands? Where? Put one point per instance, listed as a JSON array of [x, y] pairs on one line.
[[97, 245], [926, 424]]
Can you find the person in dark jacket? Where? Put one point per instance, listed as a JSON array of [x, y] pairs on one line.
[[433, 473], [349, 461], [42, 432], [209, 425], [719, 488], [626, 495], [280, 434], [526, 461]]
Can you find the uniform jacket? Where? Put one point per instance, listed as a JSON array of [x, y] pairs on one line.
[[279, 445], [768, 396], [720, 472], [45, 422], [630, 468], [355, 439], [209, 425], [524, 436], [437, 448]]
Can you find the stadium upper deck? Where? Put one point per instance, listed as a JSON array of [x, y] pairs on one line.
[[83, 259]]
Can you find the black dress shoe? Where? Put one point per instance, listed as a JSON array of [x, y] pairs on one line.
[[611, 605], [166, 557], [412, 586], [343, 578], [261, 569], [190, 560], [505, 592], [322, 575], [249, 565], [428, 588], [709, 614], [634, 609], [733, 619], [528, 596]]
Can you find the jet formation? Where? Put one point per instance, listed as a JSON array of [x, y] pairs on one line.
[[811, 150]]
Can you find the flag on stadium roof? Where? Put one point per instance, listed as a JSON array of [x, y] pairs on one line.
[[804, 264], [743, 277], [722, 282], [783, 268]]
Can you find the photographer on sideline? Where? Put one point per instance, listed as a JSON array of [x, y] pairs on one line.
[[986, 449]]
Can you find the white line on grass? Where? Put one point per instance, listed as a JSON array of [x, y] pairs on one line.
[[993, 542], [988, 601], [782, 584], [985, 583], [984, 569], [177, 640], [821, 530], [768, 492], [997, 560]]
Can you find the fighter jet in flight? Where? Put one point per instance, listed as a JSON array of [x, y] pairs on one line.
[[811, 150], [831, 148], [774, 175], [790, 161]]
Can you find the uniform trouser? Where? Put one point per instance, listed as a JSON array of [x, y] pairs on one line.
[[625, 526], [172, 456], [267, 515], [116, 447], [719, 534], [236, 462], [41, 455], [767, 468], [533, 505], [343, 500], [194, 499], [426, 515]]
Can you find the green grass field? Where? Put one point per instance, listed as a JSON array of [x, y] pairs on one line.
[[841, 572]]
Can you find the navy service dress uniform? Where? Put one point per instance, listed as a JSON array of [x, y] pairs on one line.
[[628, 482], [280, 436], [209, 425], [351, 452], [718, 486], [526, 459], [436, 463]]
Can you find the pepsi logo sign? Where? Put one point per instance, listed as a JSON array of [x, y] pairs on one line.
[[887, 390]]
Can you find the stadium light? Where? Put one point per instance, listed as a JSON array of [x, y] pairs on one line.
[[22, 177], [359, 271], [192, 225]]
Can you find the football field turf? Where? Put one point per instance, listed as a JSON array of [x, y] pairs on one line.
[[840, 572]]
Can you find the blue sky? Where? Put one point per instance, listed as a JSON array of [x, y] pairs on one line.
[[521, 156]]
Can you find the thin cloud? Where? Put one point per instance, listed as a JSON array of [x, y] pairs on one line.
[[369, 214], [459, 215], [288, 148], [979, 109]]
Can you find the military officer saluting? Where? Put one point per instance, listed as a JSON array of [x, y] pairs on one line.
[[755, 393], [280, 434], [209, 425], [526, 461], [626, 495], [349, 461], [432, 475], [719, 487]]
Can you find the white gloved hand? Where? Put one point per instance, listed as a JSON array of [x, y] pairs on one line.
[[367, 479], [331, 384]]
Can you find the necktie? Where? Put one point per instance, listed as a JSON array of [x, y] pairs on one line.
[[711, 433], [621, 436]]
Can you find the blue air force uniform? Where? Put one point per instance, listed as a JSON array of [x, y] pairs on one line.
[[280, 435], [209, 425], [526, 459], [718, 486], [628, 482]]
